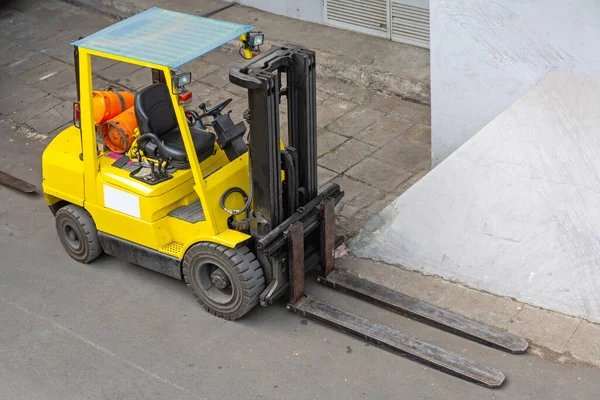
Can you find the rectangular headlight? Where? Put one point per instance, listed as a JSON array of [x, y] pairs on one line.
[[256, 39], [182, 79]]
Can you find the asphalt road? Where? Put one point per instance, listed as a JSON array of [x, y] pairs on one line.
[[112, 330]]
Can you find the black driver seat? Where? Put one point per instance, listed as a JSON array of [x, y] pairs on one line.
[[160, 136]]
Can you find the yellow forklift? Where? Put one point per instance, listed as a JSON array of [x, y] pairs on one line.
[[185, 193]]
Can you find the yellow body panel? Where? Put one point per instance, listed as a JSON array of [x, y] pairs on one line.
[[63, 169], [128, 208]]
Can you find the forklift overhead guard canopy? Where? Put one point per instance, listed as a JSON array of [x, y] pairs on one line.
[[163, 37]]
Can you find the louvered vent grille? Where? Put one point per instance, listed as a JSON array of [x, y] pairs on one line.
[[371, 15], [410, 25]]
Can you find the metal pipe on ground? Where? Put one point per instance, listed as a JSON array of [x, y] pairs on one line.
[[218, 9]]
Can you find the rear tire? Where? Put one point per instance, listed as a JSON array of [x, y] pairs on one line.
[[226, 282], [78, 234]]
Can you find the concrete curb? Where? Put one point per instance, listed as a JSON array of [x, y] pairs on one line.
[[330, 65], [554, 336]]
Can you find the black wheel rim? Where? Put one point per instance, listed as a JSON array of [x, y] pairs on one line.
[[215, 283], [71, 237]]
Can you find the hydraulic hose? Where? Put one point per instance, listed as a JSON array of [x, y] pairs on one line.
[[236, 189]]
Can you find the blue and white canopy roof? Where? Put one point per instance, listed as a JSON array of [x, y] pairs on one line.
[[163, 37]]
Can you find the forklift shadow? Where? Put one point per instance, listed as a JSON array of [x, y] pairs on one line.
[[142, 277], [125, 270]]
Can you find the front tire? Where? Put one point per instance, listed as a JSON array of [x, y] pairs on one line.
[[226, 282], [78, 234]]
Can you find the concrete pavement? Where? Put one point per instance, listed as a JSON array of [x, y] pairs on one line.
[[114, 330]]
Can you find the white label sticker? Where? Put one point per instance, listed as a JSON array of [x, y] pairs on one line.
[[121, 201]]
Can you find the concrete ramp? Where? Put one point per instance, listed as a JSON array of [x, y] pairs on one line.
[[516, 210]]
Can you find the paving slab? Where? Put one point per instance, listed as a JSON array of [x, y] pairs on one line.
[[417, 113], [137, 80], [380, 174], [6, 44], [241, 92], [199, 68], [14, 22], [488, 309], [416, 177], [420, 134], [344, 90], [8, 85], [357, 195], [322, 96], [355, 121], [60, 51], [327, 141], [346, 155], [377, 204], [399, 153], [28, 30], [68, 92], [584, 345], [201, 92], [51, 38], [20, 59], [382, 102], [545, 328], [43, 72], [217, 79], [331, 109], [19, 98], [224, 57], [36, 108], [57, 81], [50, 120], [324, 176], [100, 63], [514, 210], [384, 130], [118, 71]]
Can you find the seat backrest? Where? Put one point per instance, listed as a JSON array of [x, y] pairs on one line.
[[154, 111]]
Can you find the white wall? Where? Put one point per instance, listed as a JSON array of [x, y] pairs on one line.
[[486, 54], [515, 211], [306, 10]]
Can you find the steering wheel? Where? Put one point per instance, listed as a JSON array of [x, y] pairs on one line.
[[215, 111]]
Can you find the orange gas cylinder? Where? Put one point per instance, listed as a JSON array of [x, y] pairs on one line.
[[119, 133], [109, 104]]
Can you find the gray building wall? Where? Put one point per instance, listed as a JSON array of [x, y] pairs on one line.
[[486, 54], [306, 10]]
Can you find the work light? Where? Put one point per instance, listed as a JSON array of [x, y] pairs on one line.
[[256, 39], [182, 79]]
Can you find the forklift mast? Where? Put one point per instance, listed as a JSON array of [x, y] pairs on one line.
[[286, 71], [263, 77]]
